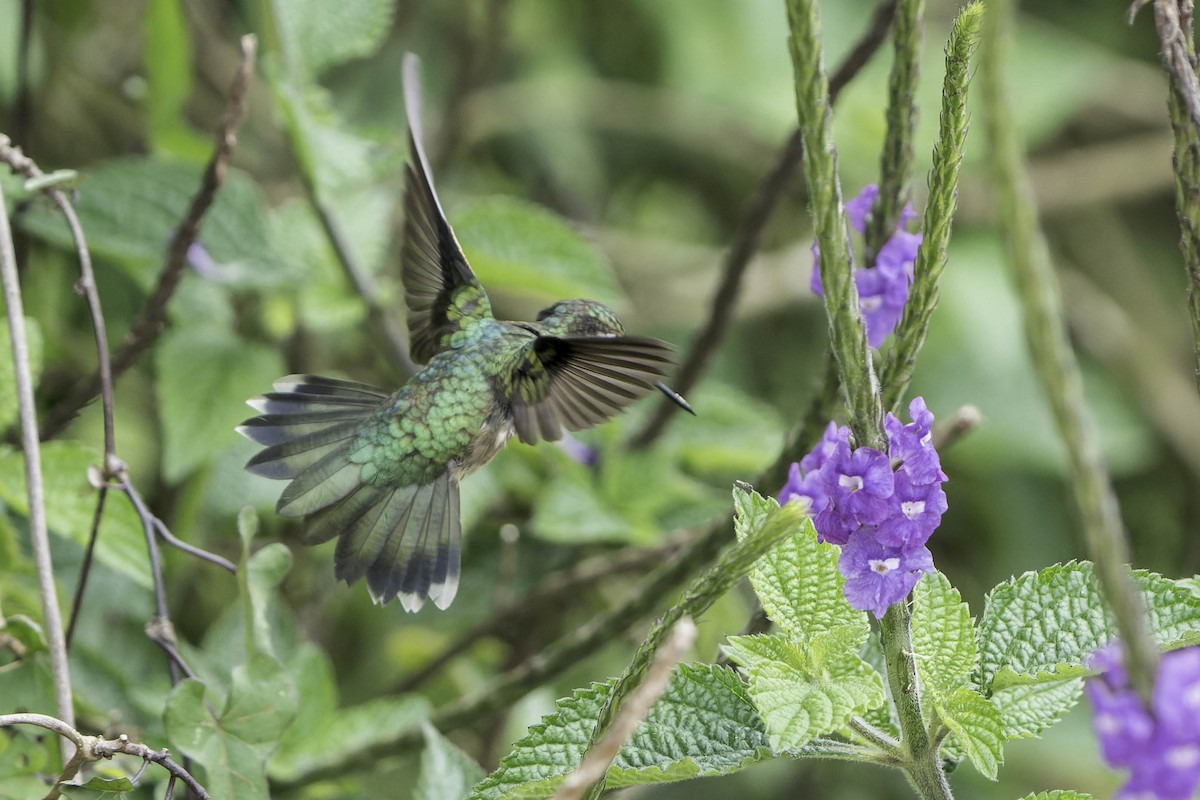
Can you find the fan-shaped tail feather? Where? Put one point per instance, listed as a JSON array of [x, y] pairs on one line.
[[404, 540]]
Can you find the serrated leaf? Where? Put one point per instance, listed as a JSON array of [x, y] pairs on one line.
[[702, 725], [447, 773], [316, 35], [205, 376], [234, 748], [1031, 708], [71, 504], [520, 247], [1037, 621], [978, 727], [943, 635], [800, 588], [131, 206], [1058, 794], [8, 380], [797, 707], [757, 648]]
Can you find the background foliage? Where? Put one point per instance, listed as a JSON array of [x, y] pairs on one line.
[[582, 149]]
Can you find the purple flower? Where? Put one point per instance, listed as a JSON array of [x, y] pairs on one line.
[[882, 287], [916, 510], [1162, 752], [809, 486], [833, 438], [912, 444], [859, 483], [878, 576]]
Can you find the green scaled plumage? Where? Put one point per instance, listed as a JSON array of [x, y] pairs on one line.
[[381, 472]]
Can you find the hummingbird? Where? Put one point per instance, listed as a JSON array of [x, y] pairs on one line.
[[381, 472]]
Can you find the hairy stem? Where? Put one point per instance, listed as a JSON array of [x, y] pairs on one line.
[[1054, 359]]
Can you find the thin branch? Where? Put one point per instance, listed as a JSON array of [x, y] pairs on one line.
[[749, 234], [85, 569], [149, 325], [393, 335], [159, 629], [95, 748], [35, 489], [512, 620], [179, 544], [637, 705]]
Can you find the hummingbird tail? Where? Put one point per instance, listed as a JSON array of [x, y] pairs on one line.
[[405, 540]]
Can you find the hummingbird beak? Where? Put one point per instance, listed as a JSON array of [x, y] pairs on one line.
[[674, 397]]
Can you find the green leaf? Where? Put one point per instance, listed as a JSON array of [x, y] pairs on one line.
[[205, 376], [1030, 708], [447, 773], [262, 573], [131, 206], [570, 511], [978, 727], [733, 434], [520, 247], [801, 589], [943, 635], [1038, 621], [1058, 794], [71, 504], [797, 706], [99, 789], [169, 81], [235, 747], [702, 725], [315, 35], [8, 380]]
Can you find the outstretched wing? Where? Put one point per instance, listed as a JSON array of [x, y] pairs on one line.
[[578, 382], [442, 293]]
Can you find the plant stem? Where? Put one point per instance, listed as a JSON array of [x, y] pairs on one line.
[[948, 153], [1054, 359], [922, 766], [895, 169], [38, 533], [847, 331]]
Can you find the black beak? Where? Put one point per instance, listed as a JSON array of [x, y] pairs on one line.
[[674, 397]]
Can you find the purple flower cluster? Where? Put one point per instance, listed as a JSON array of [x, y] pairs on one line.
[[880, 508], [882, 288], [1159, 746]]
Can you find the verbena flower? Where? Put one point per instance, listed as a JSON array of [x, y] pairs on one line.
[[1161, 750], [877, 575], [883, 287], [880, 510], [914, 512]]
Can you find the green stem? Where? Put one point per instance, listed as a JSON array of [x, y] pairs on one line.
[[847, 332], [895, 169], [735, 562], [922, 765], [1054, 359], [1178, 53], [948, 153]]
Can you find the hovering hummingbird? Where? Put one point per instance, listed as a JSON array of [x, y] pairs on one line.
[[381, 472]]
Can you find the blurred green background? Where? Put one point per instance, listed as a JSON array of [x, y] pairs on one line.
[[643, 126]]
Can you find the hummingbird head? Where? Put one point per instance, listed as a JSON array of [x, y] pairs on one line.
[[580, 318]]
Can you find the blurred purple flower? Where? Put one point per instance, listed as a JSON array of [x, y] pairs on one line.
[[1161, 751], [882, 288]]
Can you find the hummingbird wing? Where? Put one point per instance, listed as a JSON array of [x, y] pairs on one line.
[[442, 293], [577, 382], [403, 538]]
